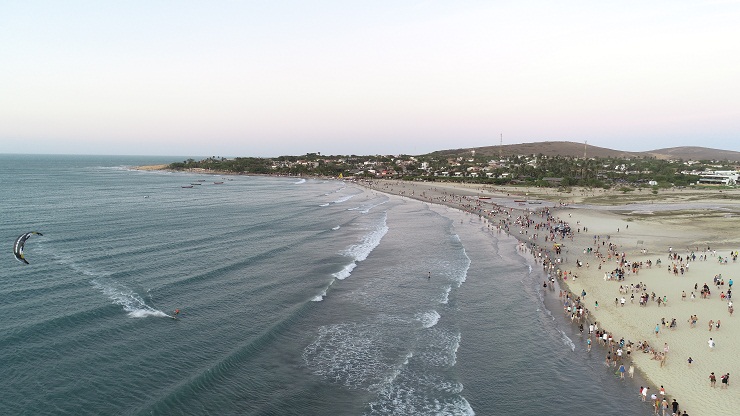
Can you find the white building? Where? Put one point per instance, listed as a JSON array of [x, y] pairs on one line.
[[719, 177]]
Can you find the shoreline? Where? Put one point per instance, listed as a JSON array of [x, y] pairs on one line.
[[683, 224], [687, 383]]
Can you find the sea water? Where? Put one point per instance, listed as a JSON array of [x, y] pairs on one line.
[[296, 297]]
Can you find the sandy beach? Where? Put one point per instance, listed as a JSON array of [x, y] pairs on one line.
[[644, 236], [692, 231]]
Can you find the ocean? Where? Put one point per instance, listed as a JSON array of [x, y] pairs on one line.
[[296, 297]]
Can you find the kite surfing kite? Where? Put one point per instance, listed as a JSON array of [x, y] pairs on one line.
[[20, 243]]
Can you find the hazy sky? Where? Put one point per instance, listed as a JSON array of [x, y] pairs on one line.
[[273, 77]]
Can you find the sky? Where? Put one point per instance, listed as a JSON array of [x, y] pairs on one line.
[[275, 77]]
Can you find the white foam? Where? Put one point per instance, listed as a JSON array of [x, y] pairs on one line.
[[128, 299], [411, 395], [446, 295], [364, 209], [319, 298], [360, 251], [463, 276], [364, 356], [336, 228], [395, 373], [324, 205], [350, 354], [428, 319], [343, 199], [299, 182], [345, 272], [567, 341], [453, 351]]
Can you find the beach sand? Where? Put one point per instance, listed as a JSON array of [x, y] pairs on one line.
[[680, 222], [152, 167], [645, 227]]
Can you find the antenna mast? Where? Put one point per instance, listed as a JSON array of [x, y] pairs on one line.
[[500, 146]]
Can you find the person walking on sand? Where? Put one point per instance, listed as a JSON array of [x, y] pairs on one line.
[[657, 330], [631, 371], [725, 380], [674, 406], [712, 380], [711, 344]]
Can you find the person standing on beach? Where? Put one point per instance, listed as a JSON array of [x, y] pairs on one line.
[[712, 380], [657, 330], [725, 380], [711, 344], [674, 406]]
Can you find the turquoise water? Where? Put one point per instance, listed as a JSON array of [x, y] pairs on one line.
[[297, 297]]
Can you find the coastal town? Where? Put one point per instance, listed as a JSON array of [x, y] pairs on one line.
[[531, 170]]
